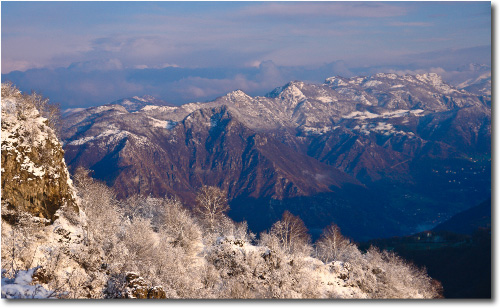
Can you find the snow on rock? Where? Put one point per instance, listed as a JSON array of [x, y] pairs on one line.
[[32, 158], [317, 130], [336, 81], [361, 115], [436, 81], [138, 288], [385, 75], [20, 287], [167, 124], [372, 83], [238, 95]]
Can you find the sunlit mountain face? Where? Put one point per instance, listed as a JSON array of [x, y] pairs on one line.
[[381, 155]]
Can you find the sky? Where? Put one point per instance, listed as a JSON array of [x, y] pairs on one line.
[[90, 53]]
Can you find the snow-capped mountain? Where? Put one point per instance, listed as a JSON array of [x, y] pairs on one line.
[[480, 85], [136, 103], [302, 141]]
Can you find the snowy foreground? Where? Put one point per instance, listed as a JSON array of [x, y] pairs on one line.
[[21, 286], [95, 246]]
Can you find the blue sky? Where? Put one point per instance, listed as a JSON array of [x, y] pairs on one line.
[[204, 49]]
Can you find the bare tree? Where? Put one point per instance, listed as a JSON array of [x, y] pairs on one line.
[[332, 245], [291, 232], [211, 205]]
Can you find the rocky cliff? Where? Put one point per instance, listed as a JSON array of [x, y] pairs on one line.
[[34, 174]]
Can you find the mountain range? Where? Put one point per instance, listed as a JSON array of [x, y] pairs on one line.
[[382, 155]]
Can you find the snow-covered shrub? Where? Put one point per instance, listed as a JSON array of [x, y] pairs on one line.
[[104, 222], [382, 274], [33, 103], [141, 243], [248, 271], [145, 207], [20, 242], [178, 227]]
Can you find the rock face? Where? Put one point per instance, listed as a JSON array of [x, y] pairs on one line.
[[390, 135], [34, 175], [138, 288]]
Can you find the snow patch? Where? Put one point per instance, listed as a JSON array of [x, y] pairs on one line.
[[372, 83], [361, 115], [325, 99], [384, 75], [20, 287], [317, 130], [167, 124]]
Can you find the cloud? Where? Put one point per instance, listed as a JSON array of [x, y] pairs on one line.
[[207, 88], [326, 9], [89, 83], [9, 65], [433, 39], [145, 66], [453, 77], [97, 65], [411, 24], [100, 81]]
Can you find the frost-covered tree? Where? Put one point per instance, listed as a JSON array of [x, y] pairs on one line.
[[383, 274], [211, 205], [292, 233], [34, 101], [179, 228], [104, 220], [332, 245], [19, 242]]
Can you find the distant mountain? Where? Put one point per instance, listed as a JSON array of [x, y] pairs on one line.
[[468, 221], [136, 103], [480, 85], [139, 154], [408, 150]]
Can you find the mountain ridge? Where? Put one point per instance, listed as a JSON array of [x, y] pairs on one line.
[[373, 132]]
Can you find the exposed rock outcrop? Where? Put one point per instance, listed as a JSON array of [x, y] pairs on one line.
[[138, 288], [34, 175]]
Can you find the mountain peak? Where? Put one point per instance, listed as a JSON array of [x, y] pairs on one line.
[[431, 78], [291, 89], [135, 103], [238, 95], [339, 81], [385, 75]]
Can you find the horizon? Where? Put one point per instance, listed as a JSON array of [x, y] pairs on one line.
[[183, 52]]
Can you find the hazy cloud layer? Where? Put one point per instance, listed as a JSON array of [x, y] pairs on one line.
[[87, 53], [93, 83]]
